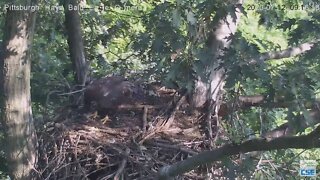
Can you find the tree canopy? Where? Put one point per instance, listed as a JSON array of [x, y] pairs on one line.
[[269, 65]]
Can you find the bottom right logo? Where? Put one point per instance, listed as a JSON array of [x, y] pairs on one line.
[[308, 168]]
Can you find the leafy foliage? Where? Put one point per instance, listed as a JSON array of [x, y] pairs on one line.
[[168, 41]]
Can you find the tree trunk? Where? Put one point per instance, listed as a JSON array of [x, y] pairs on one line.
[[76, 48], [16, 114], [210, 91]]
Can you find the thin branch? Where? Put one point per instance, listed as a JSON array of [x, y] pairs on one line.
[[290, 52], [122, 165], [175, 147], [285, 129], [244, 102], [72, 92]]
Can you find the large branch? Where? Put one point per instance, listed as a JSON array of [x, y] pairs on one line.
[[286, 129], [244, 102], [309, 141], [290, 52]]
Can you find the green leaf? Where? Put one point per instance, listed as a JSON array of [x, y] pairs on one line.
[[176, 18], [191, 17]]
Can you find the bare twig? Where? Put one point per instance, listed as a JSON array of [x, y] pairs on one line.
[[72, 92], [122, 166], [182, 149], [144, 119], [163, 124]]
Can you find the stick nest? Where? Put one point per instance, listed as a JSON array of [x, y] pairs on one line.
[[132, 144]]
